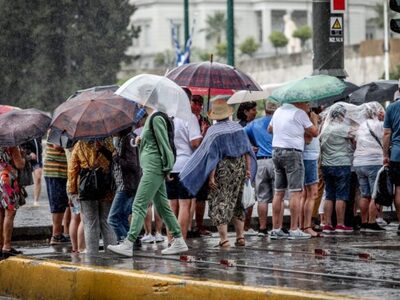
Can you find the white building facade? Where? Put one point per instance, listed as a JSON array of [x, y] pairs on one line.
[[253, 18]]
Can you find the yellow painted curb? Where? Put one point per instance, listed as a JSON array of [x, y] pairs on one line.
[[36, 279]]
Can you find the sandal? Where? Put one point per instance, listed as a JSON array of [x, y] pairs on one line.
[[240, 242], [11, 252], [317, 235], [224, 244]]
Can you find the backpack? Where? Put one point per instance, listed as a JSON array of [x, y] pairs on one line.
[[170, 130]]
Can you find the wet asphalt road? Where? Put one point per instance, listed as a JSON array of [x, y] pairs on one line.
[[359, 264]]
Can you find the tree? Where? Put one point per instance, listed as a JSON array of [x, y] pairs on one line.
[[61, 46], [216, 26], [278, 40], [249, 46], [303, 33], [379, 19], [222, 50]]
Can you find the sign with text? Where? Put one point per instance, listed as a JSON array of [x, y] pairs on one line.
[[336, 29], [338, 6]]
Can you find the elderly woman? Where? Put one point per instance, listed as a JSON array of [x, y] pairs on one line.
[[368, 159], [11, 160], [87, 156], [224, 158]]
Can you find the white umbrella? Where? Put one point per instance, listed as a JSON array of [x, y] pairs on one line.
[[248, 96], [157, 92]]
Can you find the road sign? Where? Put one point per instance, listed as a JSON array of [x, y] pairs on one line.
[[336, 29], [338, 6]]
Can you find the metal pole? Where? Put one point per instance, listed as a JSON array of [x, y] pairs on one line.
[[386, 40], [230, 34], [186, 19]]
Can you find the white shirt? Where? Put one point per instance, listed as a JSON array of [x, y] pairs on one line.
[[288, 124], [185, 132], [368, 151]]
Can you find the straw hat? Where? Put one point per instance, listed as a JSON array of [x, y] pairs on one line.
[[220, 110]]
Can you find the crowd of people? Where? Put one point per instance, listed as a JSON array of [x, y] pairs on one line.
[[323, 161]]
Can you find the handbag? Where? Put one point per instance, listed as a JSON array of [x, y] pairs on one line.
[[248, 197], [25, 175]]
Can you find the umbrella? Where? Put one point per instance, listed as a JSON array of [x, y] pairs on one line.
[[380, 91], [93, 115], [350, 88], [21, 125], [247, 96], [309, 89], [6, 108], [212, 75], [157, 92], [204, 91]]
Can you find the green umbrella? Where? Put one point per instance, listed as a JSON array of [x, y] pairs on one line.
[[309, 89]]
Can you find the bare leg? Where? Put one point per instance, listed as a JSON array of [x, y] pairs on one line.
[[147, 220], [8, 228], [223, 234], [81, 236], [295, 198], [397, 202], [57, 223], [184, 216], [277, 208], [73, 231], [247, 220], [37, 179], [192, 212], [67, 220], [158, 221], [262, 209], [373, 212], [328, 209], [364, 206], [239, 228], [340, 211], [200, 209], [312, 194]]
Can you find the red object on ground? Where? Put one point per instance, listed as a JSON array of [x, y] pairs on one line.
[[227, 262], [366, 256], [322, 252], [187, 258]]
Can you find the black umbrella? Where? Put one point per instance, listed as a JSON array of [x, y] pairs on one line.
[[20, 126], [350, 88], [380, 91]]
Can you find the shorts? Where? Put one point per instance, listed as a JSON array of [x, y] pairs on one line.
[[175, 189], [395, 172], [289, 169], [202, 195], [337, 182], [36, 165], [366, 178], [57, 194], [310, 172], [265, 180]]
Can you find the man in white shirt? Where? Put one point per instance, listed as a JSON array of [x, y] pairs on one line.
[[289, 124]]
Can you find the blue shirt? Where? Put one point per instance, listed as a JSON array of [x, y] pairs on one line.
[[259, 136], [392, 122]]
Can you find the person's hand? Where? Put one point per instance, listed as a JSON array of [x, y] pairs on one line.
[[168, 178], [255, 149], [137, 140], [314, 118], [204, 128], [33, 156], [72, 198], [386, 161], [248, 174], [212, 183]]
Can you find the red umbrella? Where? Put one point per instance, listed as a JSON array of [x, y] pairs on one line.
[[204, 91], [6, 108]]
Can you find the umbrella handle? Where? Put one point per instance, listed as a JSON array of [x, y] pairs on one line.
[[209, 83]]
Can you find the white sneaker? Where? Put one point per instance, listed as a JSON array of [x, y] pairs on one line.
[[125, 248], [159, 237], [178, 245], [298, 235], [381, 222], [148, 238], [251, 231], [278, 234]]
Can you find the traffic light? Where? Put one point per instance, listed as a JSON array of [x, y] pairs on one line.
[[395, 23]]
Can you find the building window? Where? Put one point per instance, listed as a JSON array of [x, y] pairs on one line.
[[300, 17], [277, 23], [146, 35], [259, 26]]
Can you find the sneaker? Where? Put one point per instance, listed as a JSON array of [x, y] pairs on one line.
[[381, 222], [159, 237], [298, 235], [363, 227], [374, 227], [125, 248], [148, 238], [178, 245], [278, 234], [262, 232], [328, 229], [58, 240], [343, 229], [251, 231]]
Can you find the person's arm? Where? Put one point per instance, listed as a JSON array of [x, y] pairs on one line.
[[311, 131], [387, 134], [211, 180], [195, 135], [73, 171], [161, 136], [248, 166], [195, 143], [18, 160]]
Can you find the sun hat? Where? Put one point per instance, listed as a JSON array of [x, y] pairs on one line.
[[220, 110], [271, 106]]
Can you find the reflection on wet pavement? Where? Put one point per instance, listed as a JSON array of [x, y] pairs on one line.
[[359, 264]]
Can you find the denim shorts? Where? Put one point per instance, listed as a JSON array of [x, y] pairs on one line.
[[289, 169], [337, 182], [57, 194], [176, 190], [310, 172], [265, 180], [366, 178]]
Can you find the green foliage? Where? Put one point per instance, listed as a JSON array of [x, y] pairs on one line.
[[221, 50], [379, 20], [394, 74], [49, 49], [278, 40], [249, 46], [216, 26], [159, 60], [303, 33]]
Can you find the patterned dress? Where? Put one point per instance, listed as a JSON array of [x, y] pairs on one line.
[[226, 201]]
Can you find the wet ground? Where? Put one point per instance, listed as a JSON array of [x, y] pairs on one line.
[[359, 264]]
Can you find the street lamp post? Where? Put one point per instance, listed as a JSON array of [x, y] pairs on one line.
[[230, 35], [186, 19]]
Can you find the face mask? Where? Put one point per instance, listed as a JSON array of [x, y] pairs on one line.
[[115, 141]]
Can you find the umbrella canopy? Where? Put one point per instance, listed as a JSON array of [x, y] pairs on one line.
[[202, 91], [380, 91], [350, 88], [247, 96], [6, 108], [21, 125], [157, 92], [212, 75], [309, 89], [93, 115]]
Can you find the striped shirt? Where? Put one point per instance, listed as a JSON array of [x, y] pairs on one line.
[[55, 162]]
